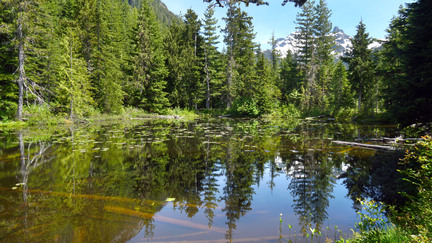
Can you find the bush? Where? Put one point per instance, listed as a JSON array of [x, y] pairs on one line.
[[417, 215], [7, 110], [373, 227], [39, 114], [344, 114], [245, 106]]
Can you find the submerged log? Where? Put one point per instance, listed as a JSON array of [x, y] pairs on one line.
[[160, 218], [368, 146]]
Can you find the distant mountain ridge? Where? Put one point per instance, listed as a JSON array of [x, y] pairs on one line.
[[342, 43], [163, 14]]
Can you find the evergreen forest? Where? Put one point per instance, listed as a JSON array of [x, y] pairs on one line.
[[77, 58]]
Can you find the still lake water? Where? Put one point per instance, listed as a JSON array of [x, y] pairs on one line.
[[214, 180]]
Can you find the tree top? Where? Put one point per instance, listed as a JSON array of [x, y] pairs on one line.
[[298, 3]]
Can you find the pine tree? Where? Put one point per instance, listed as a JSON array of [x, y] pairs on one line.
[[240, 54], [360, 70], [211, 56], [28, 20], [149, 67], [324, 43], [409, 73], [193, 55], [339, 89], [291, 79], [174, 48], [9, 62], [111, 40], [306, 39], [74, 82], [264, 89]]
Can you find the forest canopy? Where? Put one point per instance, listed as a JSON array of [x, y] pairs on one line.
[[221, 3], [76, 58]]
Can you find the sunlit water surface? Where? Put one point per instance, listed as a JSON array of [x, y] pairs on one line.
[[165, 181]]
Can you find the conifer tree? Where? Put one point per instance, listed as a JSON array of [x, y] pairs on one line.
[[27, 21], [408, 54], [264, 89], [305, 37], [149, 68], [275, 55], [339, 89], [111, 40], [291, 79], [323, 48], [9, 61], [73, 76], [360, 69], [193, 58], [211, 56], [240, 54], [174, 48]]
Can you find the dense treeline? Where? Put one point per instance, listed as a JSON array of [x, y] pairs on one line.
[[78, 58]]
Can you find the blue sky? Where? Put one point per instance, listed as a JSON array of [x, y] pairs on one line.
[[346, 14]]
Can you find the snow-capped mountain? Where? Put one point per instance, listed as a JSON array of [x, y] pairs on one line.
[[342, 43]]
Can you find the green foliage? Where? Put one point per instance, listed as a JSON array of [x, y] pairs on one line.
[[245, 106], [149, 73], [340, 98], [212, 58], [240, 54], [417, 214], [40, 114], [372, 219], [360, 73], [408, 73]]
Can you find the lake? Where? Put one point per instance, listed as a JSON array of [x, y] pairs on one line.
[[213, 180]]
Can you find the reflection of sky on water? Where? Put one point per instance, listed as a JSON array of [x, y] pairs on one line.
[[262, 222], [110, 182]]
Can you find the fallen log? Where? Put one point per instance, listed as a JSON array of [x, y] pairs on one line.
[[160, 218], [368, 146], [396, 140]]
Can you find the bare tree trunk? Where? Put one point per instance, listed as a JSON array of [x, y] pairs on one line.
[[21, 69], [359, 99]]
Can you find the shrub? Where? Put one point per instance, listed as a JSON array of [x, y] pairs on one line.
[[39, 114], [245, 106], [417, 215]]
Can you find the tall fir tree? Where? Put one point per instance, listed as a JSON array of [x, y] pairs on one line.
[[148, 83], [324, 43], [290, 80], [193, 58], [360, 73], [240, 54], [74, 82], [9, 60], [174, 48], [305, 21], [340, 96], [211, 57], [29, 24], [408, 52], [111, 40]]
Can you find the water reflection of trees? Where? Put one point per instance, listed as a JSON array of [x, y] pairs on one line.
[[376, 177], [312, 182], [133, 169]]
